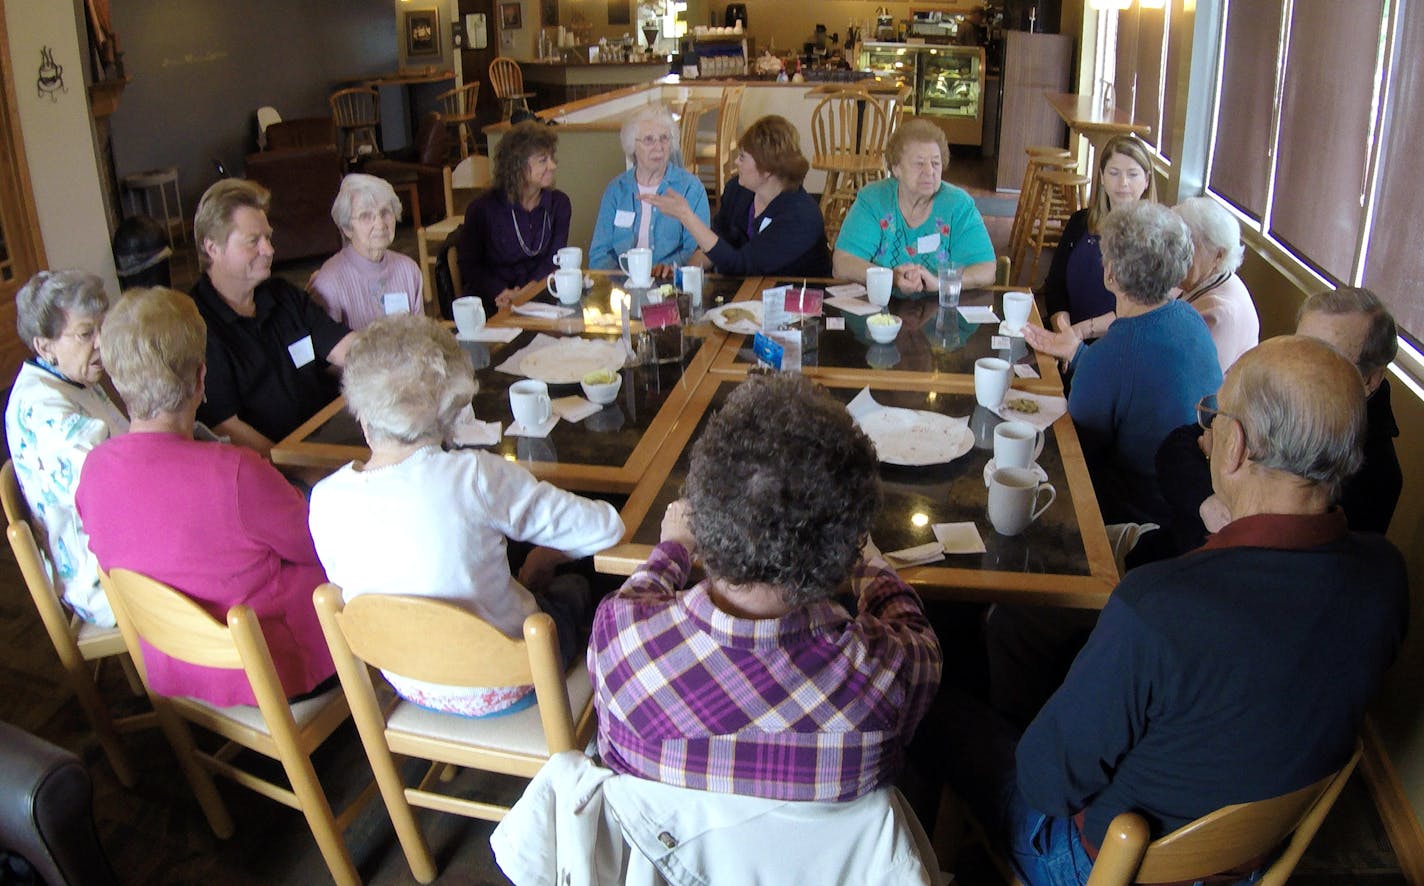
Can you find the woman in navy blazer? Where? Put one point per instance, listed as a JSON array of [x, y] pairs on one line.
[[766, 223]]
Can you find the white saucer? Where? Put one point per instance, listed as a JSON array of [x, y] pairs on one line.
[[1012, 333], [1038, 472]]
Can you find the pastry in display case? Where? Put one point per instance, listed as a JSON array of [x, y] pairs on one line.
[[890, 62], [948, 83]]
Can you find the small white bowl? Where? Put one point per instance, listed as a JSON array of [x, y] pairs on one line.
[[884, 333], [602, 394]]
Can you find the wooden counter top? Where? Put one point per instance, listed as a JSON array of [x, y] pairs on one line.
[[1084, 114]]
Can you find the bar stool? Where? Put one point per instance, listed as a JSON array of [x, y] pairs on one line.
[[457, 111], [1040, 159], [1057, 195], [848, 135], [507, 78], [160, 180]]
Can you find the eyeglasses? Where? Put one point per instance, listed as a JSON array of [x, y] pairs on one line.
[[653, 141], [1207, 412]]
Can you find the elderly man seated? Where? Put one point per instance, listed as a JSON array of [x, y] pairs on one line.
[[1235, 673], [269, 345], [754, 681]]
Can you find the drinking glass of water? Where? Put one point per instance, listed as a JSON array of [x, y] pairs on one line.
[[951, 281]]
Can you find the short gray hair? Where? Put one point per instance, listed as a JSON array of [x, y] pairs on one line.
[[155, 344], [1381, 342], [45, 303], [406, 379], [658, 113], [1149, 248], [358, 185], [1302, 409], [1212, 226]]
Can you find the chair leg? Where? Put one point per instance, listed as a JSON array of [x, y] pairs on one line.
[[417, 852], [198, 777], [131, 674], [320, 819], [103, 725]]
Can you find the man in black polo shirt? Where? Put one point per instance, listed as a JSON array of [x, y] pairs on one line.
[[269, 345]]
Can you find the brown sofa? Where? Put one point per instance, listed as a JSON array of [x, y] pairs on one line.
[[303, 171]]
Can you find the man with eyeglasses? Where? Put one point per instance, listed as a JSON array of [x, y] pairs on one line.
[[1235, 673]]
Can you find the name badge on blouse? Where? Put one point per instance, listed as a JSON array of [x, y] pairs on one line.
[[624, 218], [929, 243], [302, 351], [395, 303], [764, 223]]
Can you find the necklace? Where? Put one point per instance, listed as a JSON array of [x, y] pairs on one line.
[[1203, 290], [543, 235]]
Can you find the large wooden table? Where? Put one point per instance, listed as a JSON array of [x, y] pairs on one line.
[[639, 445]]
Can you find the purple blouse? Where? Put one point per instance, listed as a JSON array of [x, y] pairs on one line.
[[503, 245]]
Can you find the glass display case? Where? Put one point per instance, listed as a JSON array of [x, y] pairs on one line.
[[948, 83]]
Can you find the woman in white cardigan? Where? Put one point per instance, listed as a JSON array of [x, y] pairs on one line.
[[416, 519], [1211, 285]]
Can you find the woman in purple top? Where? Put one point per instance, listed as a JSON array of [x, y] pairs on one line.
[[512, 231]]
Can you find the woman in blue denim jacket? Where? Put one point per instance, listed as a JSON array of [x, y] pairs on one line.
[[650, 141]]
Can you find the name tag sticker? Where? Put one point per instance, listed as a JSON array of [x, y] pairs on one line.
[[927, 243], [302, 351], [395, 303], [624, 218], [768, 352], [762, 226], [999, 342], [835, 324]]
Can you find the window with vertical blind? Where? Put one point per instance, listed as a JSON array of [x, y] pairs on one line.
[[1319, 118]]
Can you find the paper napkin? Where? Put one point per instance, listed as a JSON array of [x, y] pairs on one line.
[[959, 538], [917, 556], [539, 309], [978, 314], [574, 408], [516, 429]]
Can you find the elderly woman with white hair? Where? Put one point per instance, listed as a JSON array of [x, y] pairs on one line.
[[58, 412], [417, 519], [367, 280], [650, 142], [1211, 285]]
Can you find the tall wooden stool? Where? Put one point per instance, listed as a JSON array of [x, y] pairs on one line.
[[1040, 159], [165, 182], [356, 113], [1057, 194]]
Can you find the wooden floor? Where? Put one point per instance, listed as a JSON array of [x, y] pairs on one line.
[[155, 833]]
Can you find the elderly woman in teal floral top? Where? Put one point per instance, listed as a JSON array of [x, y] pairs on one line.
[[914, 221]]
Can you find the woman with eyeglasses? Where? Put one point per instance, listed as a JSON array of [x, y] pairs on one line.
[[651, 144]]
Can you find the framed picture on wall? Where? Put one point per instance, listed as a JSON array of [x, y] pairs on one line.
[[619, 13], [511, 16], [548, 13], [422, 33]]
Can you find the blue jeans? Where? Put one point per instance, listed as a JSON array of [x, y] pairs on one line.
[[1045, 850]]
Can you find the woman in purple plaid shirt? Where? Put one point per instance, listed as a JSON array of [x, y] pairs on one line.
[[755, 681]]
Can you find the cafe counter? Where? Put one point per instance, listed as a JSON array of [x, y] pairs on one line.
[[559, 82]]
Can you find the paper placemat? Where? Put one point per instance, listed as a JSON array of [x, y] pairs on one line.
[[539, 309], [1049, 408], [574, 408], [510, 366], [857, 306], [978, 314], [959, 538], [516, 429], [493, 333]]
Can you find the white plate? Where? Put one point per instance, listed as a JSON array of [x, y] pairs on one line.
[[915, 437], [1038, 472], [742, 327], [568, 360]]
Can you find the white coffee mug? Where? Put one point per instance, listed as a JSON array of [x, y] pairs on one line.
[[569, 258], [638, 265], [529, 401], [991, 381], [469, 314], [1013, 499], [566, 284], [1016, 308], [1017, 444], [878, 283], [692, 284]]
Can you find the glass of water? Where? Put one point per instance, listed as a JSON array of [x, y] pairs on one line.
[[951, 281]]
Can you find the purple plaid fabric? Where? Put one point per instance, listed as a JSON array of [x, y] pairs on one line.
[[814, 705]]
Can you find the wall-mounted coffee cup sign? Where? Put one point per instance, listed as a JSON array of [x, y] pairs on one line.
[[50, 81]]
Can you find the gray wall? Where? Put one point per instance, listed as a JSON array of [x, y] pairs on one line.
[[201, 68]]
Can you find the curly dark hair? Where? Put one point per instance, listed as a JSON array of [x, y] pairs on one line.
[[522, 141], [782, 486]]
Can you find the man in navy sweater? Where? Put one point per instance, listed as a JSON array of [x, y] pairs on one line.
[[1239, 671]]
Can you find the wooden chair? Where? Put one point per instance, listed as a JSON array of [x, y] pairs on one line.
[[1220, 841], [1057, 194], [692, 113], [849, 132], [457, 110], [508, 81], [435, 640], [76, 642], [356, 113], [716, 156], [177, 626]]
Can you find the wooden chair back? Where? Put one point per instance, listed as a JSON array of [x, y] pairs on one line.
[[437, 641], [850, 124], [457, 110], [729, 129], [687, 133], [356, 113], [75, 642], [177, 626], [1222, 840], [506, 77]]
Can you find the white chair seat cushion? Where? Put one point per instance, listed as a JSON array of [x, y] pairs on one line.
[[303, 712], [520, 733], [96, 642]]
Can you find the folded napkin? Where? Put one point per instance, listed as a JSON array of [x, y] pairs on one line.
[[470, 431], [858, 306], [539, 309], [1049, 408], [916, 556], [978, 314], [516, 429], [851, 290], [959, 538], [493, 333], [1026, 370], [574, 408]]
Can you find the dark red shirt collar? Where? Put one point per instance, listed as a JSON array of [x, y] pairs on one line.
[[1288, 532]]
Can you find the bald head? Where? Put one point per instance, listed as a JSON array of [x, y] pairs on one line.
[[1302, 407]]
